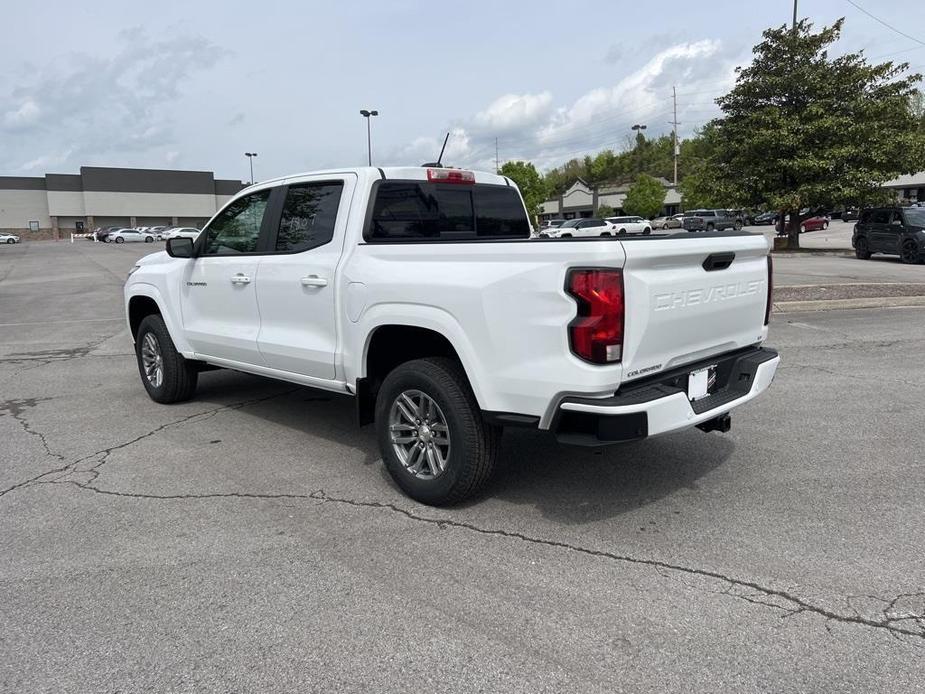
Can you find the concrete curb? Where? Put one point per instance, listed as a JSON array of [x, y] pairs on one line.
[[840, 304]]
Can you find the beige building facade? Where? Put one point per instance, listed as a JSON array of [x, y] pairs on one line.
[[56, 205]]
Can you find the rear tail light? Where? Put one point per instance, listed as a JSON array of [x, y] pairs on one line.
[[450, 176], [767, 308], [596, 333]]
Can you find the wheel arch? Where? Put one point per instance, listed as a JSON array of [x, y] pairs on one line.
[[144, 300]]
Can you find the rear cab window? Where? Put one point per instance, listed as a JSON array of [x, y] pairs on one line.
[[432, 212]]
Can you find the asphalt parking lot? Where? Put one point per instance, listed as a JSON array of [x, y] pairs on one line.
[[250, 540]]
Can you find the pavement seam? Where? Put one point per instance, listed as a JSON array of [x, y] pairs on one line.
[[793, 604], [103, 454]]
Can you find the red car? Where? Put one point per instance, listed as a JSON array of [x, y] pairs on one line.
[[811, 224], [814, 224]]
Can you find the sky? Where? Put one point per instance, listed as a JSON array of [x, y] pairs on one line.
[[195, 84]]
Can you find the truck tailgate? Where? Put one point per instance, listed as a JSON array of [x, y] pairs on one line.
[[691, 297]]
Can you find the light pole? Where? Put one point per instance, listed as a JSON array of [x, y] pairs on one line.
[[250, 157], [640, 138], [369, 145]]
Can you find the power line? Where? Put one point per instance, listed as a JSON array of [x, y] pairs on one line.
[[888, 26]]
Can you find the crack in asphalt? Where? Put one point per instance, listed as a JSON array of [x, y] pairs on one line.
[[738, 588], [101, 457], [15, 409]]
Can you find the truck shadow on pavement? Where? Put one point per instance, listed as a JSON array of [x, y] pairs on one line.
[[565, 483]]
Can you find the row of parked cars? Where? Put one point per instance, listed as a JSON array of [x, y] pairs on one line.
[[692, 220], [141, 234]]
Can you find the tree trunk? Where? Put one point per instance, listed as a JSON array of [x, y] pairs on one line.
[[793, 231]]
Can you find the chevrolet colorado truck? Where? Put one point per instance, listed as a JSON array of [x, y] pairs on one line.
[[420, 292]]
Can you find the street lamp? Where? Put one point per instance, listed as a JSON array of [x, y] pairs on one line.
[[250, 157], [369, 146], [638, 127]]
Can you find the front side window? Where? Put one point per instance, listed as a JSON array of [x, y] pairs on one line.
[[881, 217], [308, 217], [237, 228]]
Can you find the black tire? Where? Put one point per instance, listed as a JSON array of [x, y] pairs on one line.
[[10, 241], [119, 239], [622, 232], [711, 227], [149, 239], [737, 226], [474, 443], [861, 250], [909, 253], [179, 375], [606, 233], [566, 236], [647, 231]]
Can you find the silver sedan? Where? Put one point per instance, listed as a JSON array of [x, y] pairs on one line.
[[9, 238], [130, 235]]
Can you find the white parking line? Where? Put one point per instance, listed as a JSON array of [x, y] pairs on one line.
[[58, 322]]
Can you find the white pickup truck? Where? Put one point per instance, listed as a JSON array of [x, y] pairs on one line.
[[420, 292]]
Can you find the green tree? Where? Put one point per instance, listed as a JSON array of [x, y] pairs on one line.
[[531, 184], [645, 197], [801, 129], [604, 211]]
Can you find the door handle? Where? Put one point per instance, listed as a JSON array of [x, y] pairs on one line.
[[240, 278], [314, 281]]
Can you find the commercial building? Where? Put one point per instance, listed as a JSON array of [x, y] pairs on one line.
[[583, 200], [54, 205], [909, 188]]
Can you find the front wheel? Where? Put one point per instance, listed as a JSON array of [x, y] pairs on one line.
[[605, 233], [861, 249], [802, 228], [647, 231], [710, 227], [825, 225], [119, 239], [165, 373], [149, 239], [737, 226], [433, 439], [565, 236], [10, 241], [909, 253]]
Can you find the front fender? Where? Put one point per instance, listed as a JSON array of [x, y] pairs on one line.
[[137, 288]]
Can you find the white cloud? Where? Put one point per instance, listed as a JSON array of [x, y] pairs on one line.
[[513, 111], [27, 113], [528, 126], [171, 156], [90, 110]]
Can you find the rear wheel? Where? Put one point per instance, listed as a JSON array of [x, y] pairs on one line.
[[149, 239], [433, 439], [647, 231], [861, 249], [737, 226], [119, 239], [10, 241], [165, 373], [710, 226], [909, 253], [565, 236], [605, 233], [825, 225], [802, 228]]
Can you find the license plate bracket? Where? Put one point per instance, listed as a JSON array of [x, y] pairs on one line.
[[700, 382]]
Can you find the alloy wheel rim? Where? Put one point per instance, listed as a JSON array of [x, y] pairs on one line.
[[419, 434], [152, 361]]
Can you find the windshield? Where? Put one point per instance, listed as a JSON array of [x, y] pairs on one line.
[[572, 223], [915, 218]]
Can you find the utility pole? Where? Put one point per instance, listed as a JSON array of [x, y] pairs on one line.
[[674, 133], [497, 161], [794, 16]]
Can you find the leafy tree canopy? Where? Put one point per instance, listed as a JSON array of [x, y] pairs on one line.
[[803, 130], [531, 184], [645, 197]]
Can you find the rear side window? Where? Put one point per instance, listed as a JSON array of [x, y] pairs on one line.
[[308, 217], [422, 211], [881, 217], [865, 217]]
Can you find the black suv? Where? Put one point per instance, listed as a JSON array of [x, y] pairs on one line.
[[891, 230]]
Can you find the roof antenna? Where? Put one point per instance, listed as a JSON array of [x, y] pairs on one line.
[[437, 164]]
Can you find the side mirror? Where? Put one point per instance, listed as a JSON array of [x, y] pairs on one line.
[[180, 247]]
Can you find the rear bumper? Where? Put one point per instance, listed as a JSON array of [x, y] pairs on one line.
[[660, 405]]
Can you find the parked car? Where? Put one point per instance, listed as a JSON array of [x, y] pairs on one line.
[[130, 236], [850, 215], [102, 234], [552, 224], [386, 285], [578, 228], [891, 230], [9, 238], [718, 220], [181, 232], [631, 225], [765, 218], [815, 223], [693, 223], [665, 222], [158, 232]]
